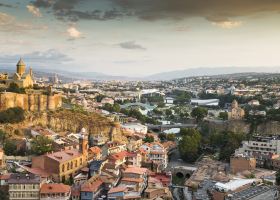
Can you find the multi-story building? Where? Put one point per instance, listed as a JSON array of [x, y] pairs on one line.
[[57, 191], [135, 127], [114, 147], [135, 179], [24, 187], [62, 165], [91, 189], [260, 145], [156, 153], [242, 163]]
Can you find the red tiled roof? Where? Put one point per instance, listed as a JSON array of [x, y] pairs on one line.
[[52, 188], [117, 189], [91, 187], [136, 170], [64, 155], [118, 156], [135, 180], [95, 150], [5, 176], [37, 171]]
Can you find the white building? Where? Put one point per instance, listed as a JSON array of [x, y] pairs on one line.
[[169, 101], [155, 152], [135, 127], [260, 145], [205, 102]]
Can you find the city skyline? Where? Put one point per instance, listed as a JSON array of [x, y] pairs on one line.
[[137, 38]]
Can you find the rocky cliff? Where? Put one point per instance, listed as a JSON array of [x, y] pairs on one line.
[[239, 126], [30, 102], [65, 120]]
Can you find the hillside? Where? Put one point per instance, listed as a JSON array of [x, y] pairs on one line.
[[68, 121]]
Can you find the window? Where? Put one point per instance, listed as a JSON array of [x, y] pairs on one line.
[[63, 168]]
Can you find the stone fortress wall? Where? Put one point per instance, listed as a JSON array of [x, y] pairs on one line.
[[30, 102]]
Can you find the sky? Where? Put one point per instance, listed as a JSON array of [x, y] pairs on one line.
[[139, 37]]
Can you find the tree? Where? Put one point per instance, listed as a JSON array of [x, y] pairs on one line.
[[4, 195], [162, 136], [168, 112], [278, 177], [15, 88], [223, 115], [148, 139], [199, 113], [12, 115], [99, 97], [41, 145], [3, 137], [228, 142], [171, 137], [189, 145], [10, 148]]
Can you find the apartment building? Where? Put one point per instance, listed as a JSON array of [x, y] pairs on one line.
[[260, 145], [24, 187]]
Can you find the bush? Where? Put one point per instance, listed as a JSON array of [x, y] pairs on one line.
[[14, 88], [12, 115]]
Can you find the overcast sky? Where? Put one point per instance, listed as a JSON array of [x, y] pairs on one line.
[[139, 37]]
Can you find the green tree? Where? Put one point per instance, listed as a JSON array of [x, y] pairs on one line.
[[3, 136], [41, 145], [168, 112], [149, 139], [10, 148], [228, 143], [199, 113], [171, 137], [116, 108], [278, 177], [223, 115], [190, 144], [99, 97], [4, 195], [14, 88], [12, 115], [162, 136]]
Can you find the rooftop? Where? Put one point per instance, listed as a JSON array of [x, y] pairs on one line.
[[52, 188], [24, 179]]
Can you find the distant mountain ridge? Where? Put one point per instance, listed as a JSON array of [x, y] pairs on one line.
[[203, 71], [176, 74]]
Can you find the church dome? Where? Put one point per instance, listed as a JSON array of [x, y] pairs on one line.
[[20, 62]]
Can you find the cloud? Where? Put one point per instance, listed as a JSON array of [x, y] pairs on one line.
[[73, 33], [211, 10], [36, 58], [66, 10], [6, 5], [34, 10], [131, 45], [228, 24], [179, 9], [5, 19], [9, 23]]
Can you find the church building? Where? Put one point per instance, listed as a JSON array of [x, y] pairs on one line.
[[20, 78]]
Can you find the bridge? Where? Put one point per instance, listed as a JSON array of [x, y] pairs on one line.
[[183, 171], [169, 126]]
